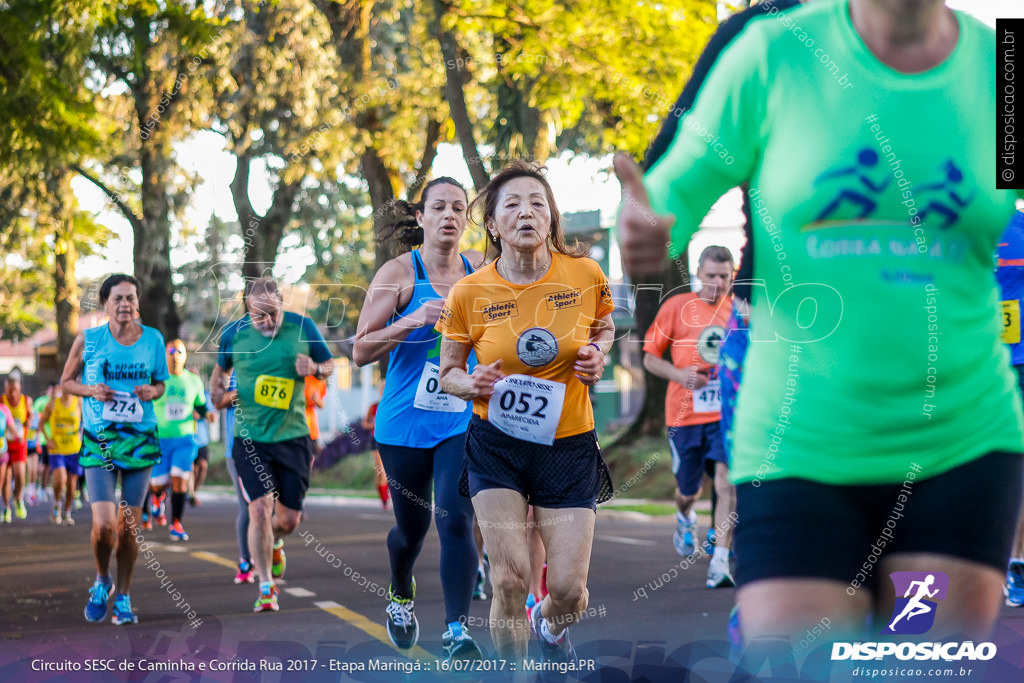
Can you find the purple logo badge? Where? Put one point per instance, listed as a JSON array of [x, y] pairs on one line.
[[917, 596]]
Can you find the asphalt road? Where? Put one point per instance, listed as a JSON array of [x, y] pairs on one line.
[[640, 626]]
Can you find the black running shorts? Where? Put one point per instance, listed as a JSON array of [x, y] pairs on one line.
[[265, 467], [796, 528], [571, 473]]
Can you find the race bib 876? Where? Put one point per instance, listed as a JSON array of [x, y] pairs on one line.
[[274, 392]]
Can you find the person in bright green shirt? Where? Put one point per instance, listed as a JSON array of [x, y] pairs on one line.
[[875, 379], [39, 468], [184, 397]]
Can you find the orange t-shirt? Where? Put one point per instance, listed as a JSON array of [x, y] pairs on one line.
[[695, 330], [535, 329], [314, 387]]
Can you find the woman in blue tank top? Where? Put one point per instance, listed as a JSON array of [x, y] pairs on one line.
[[420, 430]]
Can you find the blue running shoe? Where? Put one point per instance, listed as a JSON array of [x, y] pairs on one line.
[[686, 529], [456, 644], [560, 652], [123, 613], [96, 608], [1014, 588], [709, 542]]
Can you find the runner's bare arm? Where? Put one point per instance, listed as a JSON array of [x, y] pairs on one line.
[[16, 429], [643, 234], [47, 412], [70, 379], [454, 378], [150, 392], [218, 381], [305, 366], [593, 356], [390, 290], [602, 333], [44, 418], [687, 377]]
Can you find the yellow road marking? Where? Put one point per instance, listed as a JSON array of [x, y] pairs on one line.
[[371, 628], [216, 559], [375, 630]]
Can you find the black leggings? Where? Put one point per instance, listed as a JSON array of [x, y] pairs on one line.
[[410, 472]]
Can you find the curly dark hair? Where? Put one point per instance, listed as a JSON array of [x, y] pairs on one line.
[[401, 224]]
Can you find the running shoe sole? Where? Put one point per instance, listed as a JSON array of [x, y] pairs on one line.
[[465, 649]]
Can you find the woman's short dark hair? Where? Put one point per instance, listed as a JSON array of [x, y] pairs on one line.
[[520, 168], [114, 281], [401, 225]]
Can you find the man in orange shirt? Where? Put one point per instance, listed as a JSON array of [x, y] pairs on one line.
[[693, 327], [316, 390]]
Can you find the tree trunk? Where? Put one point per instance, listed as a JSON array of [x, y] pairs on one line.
[[152, 253], [350, 24], [428, 156], [65, 285], [261, 235], [382, 199], [454, 93], [650, 421], [152, 250], [525, 133]]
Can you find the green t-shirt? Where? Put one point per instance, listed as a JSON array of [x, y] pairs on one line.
[[39, 405], [271, 404], [875, 323], [182, 394]]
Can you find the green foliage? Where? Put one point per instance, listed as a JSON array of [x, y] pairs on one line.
[[310, 88], [333, 221], [26, 266], [589, 77], [49, 123], [42, 50]]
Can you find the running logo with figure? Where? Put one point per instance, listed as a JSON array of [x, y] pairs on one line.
[[917, 594]]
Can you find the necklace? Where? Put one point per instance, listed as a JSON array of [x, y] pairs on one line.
[[533, 276]]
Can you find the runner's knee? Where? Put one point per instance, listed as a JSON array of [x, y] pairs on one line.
[[510, 583], [569, 593]]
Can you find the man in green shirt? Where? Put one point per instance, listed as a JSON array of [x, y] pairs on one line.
[[271, 352]]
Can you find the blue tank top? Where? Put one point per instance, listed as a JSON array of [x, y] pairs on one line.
[[412, 379], [1010, 274], [122, 368]]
